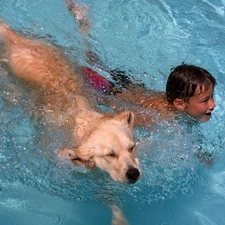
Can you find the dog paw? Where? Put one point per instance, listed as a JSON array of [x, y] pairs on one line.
[[118, 216]]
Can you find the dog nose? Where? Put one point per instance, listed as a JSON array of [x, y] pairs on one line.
[[132, 175]]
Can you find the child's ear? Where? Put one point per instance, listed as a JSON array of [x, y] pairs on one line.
[[179, 104]]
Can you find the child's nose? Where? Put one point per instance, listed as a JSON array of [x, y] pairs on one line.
[[212, 104]]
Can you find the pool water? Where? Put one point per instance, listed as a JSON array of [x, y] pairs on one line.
[[146, 38]]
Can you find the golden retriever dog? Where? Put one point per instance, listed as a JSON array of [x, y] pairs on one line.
[[102, 140]]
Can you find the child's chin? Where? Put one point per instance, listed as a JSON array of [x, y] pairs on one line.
[[205, 118]]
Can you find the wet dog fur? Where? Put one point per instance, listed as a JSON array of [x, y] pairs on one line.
[[102, 140]]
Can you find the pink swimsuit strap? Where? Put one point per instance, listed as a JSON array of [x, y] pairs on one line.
[[95, 80]]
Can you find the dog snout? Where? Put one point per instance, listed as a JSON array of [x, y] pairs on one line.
[[132, 175]]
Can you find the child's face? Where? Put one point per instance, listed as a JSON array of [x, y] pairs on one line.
[[200, 106]]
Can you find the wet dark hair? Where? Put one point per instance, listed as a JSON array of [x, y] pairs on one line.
[[184, 79]]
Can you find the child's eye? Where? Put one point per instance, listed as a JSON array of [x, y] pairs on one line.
[[205, 100]]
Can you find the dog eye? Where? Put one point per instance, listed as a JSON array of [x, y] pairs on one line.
[[131, 149], [112, 154]]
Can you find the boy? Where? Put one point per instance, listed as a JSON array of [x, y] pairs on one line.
[[189, 89]]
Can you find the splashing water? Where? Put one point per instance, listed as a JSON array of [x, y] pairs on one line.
[[146, 38]]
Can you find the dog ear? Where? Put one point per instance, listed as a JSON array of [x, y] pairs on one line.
[[85, 156], [78, 156], [80, 130], [126, 117], [83, 127]]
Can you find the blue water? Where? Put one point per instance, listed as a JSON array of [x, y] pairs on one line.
[[146, 38]]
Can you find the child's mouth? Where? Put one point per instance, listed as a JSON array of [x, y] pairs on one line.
[[208, 114]]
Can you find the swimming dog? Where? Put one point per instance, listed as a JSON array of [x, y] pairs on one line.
[[102, 140]]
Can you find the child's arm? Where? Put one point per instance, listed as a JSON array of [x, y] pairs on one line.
[[144, 98], [143, 117], [148, 105]]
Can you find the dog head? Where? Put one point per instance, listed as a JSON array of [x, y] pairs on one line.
[[109, 145]]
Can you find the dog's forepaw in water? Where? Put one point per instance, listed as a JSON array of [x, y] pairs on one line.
[[118, 217], [67, 154]]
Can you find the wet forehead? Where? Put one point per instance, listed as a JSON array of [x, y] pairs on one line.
[[122, 135], [116, 137]]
